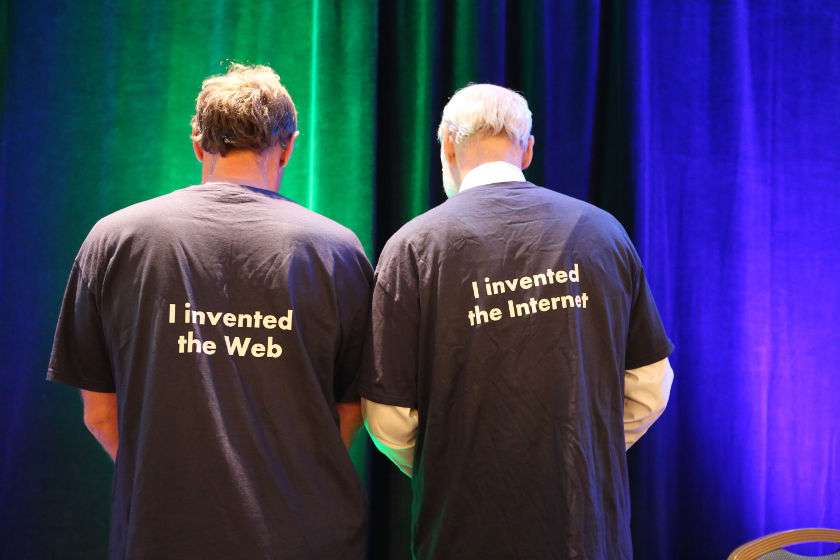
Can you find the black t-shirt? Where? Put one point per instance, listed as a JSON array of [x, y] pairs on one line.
[[229, 321], [507, 316]]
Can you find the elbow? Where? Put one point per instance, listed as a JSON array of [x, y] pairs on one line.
[[99, 410], [392, 436], [96, 420], [667, 383], [392, 425]]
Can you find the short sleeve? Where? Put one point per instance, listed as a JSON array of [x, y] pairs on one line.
[[79, 353], [354, 355], [394, 333], [646, 341]]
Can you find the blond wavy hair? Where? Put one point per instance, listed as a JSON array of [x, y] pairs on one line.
[[246, 108]]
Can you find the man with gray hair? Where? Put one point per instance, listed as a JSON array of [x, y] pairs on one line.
[[517, 354], [216, 334]]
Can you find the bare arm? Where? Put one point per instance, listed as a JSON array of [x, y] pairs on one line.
[[100, 415], [349, 421]]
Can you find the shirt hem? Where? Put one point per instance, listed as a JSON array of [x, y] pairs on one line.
[[56, 377], [389, 400], [651, 358]]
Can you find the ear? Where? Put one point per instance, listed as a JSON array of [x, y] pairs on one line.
[[199, 153], [528, 155], [286, 153], [449, 147]]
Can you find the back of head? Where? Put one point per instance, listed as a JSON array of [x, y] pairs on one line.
[[481, 110], [246, 108]]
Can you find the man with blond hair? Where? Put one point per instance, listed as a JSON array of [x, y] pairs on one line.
[[517, 354], [216, 334]]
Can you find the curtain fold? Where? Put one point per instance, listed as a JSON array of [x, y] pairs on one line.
[[738, 222]]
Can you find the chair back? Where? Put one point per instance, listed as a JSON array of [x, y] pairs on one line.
[[769, 547]]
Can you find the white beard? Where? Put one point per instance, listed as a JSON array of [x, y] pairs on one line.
[[450, 187]]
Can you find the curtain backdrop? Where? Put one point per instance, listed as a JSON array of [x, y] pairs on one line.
[[709, 129], [736, 164]]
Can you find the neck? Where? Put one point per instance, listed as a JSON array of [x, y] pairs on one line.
[[487, 150], [243, 168]]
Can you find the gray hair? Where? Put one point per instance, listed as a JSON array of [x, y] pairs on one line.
[[246, 108], [486, 110]]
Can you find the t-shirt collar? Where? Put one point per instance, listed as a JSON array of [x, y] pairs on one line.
[[492, 172]]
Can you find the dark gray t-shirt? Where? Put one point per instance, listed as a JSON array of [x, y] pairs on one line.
[[229, 321], [507, 316]]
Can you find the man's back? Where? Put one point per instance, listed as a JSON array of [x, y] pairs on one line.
[[523, 302], [229, 321]]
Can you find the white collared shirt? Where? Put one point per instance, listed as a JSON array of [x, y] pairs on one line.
[[393, 429], [491, 172]]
